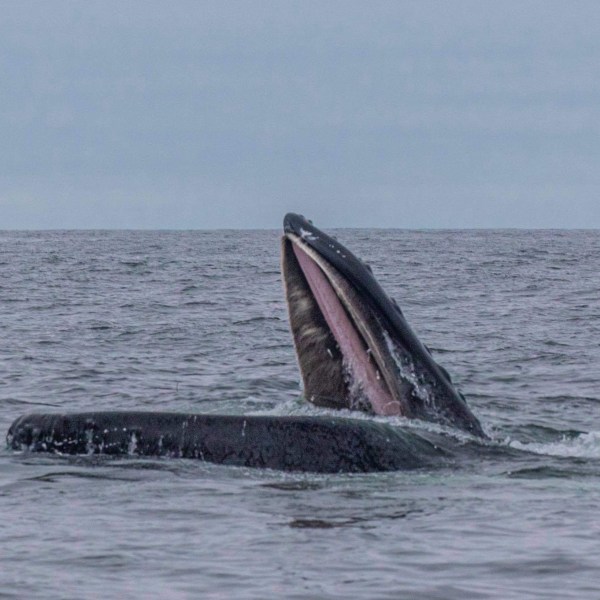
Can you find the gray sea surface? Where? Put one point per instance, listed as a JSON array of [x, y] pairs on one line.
[[196, 321]]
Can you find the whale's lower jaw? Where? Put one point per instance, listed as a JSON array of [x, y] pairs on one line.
[[311, 444]]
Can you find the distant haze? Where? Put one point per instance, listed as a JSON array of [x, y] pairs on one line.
[[202, 114]]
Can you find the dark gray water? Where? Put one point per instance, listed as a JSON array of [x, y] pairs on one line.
[[195, 321]]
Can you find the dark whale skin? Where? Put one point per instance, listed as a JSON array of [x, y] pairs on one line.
[[294, 443]]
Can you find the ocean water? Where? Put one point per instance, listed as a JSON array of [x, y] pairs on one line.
[[196, 321]]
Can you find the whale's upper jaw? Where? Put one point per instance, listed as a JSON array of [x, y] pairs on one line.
[[354, 346]]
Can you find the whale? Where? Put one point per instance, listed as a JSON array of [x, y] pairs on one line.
[[355, 348], [355, 351]]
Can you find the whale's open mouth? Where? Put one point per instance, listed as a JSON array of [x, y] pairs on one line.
[[341, 345], [354, 346]]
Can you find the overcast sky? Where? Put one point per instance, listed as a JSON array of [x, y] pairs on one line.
[[201, 114]]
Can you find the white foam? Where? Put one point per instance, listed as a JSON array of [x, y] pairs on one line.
[[585, 445], [300, 407]]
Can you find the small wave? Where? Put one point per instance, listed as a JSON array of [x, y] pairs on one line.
[[544, 472], [252, 320], [52, 258], [18, 402], [584, 445], [100, 326], [142, 262], [200, 303]]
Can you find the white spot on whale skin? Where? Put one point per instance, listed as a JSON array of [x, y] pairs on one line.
[[89, 441], [244, 428], [133, 442], [307, 235]]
